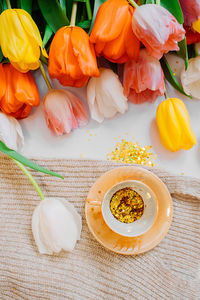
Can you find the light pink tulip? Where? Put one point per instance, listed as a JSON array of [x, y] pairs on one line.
[[157, 29], [143, 80], [191, 11], [64, 111]]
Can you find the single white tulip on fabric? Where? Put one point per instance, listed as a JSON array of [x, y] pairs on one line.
[[10, 132], [105, 96], [56, 225], [190, 78]]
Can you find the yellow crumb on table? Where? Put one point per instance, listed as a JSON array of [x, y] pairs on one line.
[[131, 152]]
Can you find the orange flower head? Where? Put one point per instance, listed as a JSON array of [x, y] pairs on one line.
[[112, 32], [72, 58], [18, 92]]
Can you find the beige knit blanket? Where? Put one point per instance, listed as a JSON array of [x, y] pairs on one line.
[[169, 271]]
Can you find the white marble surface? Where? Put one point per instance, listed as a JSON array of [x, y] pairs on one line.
[[96, 140]]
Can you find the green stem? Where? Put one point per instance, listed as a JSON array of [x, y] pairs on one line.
[[8, 4], [196, 51], [30, 177], [166, 95], [89, 11], [73, 16], [158, 2], [133, 3], [45, 76]]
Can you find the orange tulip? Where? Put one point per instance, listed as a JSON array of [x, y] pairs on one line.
[[18, 92], [72, 58], [112, 32]]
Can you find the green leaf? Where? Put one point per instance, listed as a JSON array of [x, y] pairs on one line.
[[4, 5], [85, 24], [97, 4], [69, 8], [63, 5], [25, 161], [1, 55], [142, 2], [173, 6], [47, 35], [170, 76], [1, 6], [53, 14], [183, 52], [150, 2], [25, 4]]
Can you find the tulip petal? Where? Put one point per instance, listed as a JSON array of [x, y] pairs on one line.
[[19, 94], [157, 29], [105, 96], [58, 112], [191, 10], [174, 125], [84, 51], [63, 63], [91, 98], [58, 229], [43, 249], [3, 82], [112, 92], [190, 78], [10, 132], [79, 109], [20, 39], [143, 80], [77, 217], [109, 21], [116, 42]]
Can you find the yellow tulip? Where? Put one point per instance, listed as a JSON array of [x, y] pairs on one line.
[[20, 39], [174, 125]]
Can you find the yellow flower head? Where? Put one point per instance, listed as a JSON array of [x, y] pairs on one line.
[[20, 39], [174, 125]]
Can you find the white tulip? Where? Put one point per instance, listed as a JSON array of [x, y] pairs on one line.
[[105, 96], [190, 78], [56, 225], [10, 132]]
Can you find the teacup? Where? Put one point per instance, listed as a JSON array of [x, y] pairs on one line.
[[144, 223]]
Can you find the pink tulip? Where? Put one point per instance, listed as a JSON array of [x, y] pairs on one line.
[[157, 29], [143, 80], [191, 11], [64, 111]]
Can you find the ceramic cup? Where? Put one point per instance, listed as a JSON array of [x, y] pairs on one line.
[[139, 226]]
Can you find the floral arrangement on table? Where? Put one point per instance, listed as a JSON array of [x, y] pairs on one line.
[[116, 48]]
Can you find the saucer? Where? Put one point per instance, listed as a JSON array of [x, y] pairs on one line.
[[114, 241]]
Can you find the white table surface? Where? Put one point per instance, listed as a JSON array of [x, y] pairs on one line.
[[96, 140]]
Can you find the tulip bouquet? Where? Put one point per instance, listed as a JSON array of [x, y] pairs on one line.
[[117, 50]]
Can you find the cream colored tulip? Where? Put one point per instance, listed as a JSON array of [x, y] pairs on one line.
[[56, 225], [190, 78], [10, 132], [105, 96]]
